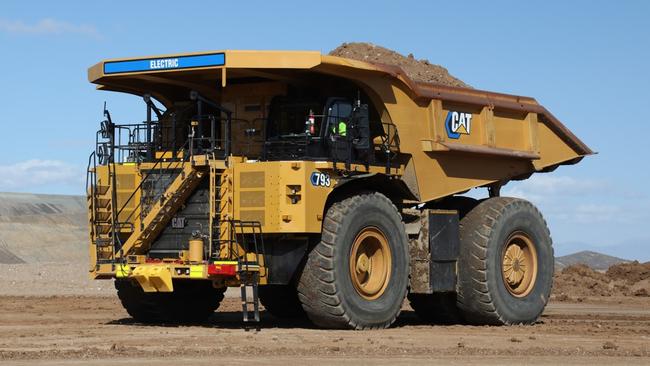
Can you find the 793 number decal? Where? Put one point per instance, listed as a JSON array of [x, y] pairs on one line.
[[319, 179]]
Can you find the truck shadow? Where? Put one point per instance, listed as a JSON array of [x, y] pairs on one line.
[[233, 320]]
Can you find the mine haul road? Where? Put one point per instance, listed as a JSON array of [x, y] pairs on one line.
[[95, 330]]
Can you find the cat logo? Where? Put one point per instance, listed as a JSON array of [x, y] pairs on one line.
[[178, 222], [458, 123]]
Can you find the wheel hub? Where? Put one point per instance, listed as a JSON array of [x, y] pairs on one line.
[[370, 263], [519, 264], [363, 263]]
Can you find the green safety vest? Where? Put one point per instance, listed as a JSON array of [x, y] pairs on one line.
[[342, 127]]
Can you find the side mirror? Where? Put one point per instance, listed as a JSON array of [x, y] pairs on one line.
[[106, 129]]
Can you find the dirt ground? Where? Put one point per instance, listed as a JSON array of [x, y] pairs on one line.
[[95, 330], [52, 314]]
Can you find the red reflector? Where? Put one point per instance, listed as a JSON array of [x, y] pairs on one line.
[[222, 269]]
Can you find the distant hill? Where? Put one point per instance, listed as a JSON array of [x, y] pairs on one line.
[[594, 260], [36, 228]]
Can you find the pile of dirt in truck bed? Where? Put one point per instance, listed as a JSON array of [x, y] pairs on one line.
[[417, 70], [579, 281]]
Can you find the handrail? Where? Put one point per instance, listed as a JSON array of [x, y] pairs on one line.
[[255, 230], [190, 144], [188, 149], [92, 175], [143, 180], [139, 206], [91, 158], [297, 146]]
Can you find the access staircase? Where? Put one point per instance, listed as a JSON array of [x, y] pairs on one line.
[[243, 238], [106, 217], [101, 220], [159, 215], [99, 203]]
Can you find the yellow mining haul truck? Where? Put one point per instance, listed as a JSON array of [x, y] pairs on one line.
[[322, 186]]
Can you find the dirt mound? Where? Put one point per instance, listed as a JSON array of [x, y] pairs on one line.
[[417, 70], [579, 281], [629, 272]]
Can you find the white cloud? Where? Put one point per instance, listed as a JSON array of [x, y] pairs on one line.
[[32, 173], [593, 213], [48, 26], [542, 187], [598, 213], [592, 207]]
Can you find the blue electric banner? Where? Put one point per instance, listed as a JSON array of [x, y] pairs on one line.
[[166, 63]]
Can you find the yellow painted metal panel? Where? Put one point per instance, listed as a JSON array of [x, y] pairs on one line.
[[122, 271], [161, 278], [141, 274], [291, 204], [273, 59], [197, 271], [235, 59]]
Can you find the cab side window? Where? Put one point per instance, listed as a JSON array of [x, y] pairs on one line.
[[337, 116]]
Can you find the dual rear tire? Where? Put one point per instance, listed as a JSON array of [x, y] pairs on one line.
[[505, 268]]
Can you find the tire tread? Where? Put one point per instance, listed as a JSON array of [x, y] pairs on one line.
[[317, 289], [477, 302]]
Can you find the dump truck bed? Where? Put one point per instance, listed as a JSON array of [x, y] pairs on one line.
[[454, 139]]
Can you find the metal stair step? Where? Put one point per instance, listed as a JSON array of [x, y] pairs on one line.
[[101, 189], [103, 202], [104, 216], [103, 228]]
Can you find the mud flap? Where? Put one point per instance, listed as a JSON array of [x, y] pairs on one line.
[[434, 252]]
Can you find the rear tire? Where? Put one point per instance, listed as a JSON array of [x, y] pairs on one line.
[[506, 263], [191, 302], [356, 277], [281, 301]]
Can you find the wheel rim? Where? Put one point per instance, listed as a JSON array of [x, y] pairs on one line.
[[370, 263], [519, 264]]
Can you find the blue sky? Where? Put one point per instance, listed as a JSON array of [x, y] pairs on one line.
[[586, 61]]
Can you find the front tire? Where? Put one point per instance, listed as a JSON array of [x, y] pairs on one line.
[[506, 263], [191, 302], [356, 277], [281, 301]]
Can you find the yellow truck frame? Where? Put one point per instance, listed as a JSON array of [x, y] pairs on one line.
[[242, 181]]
